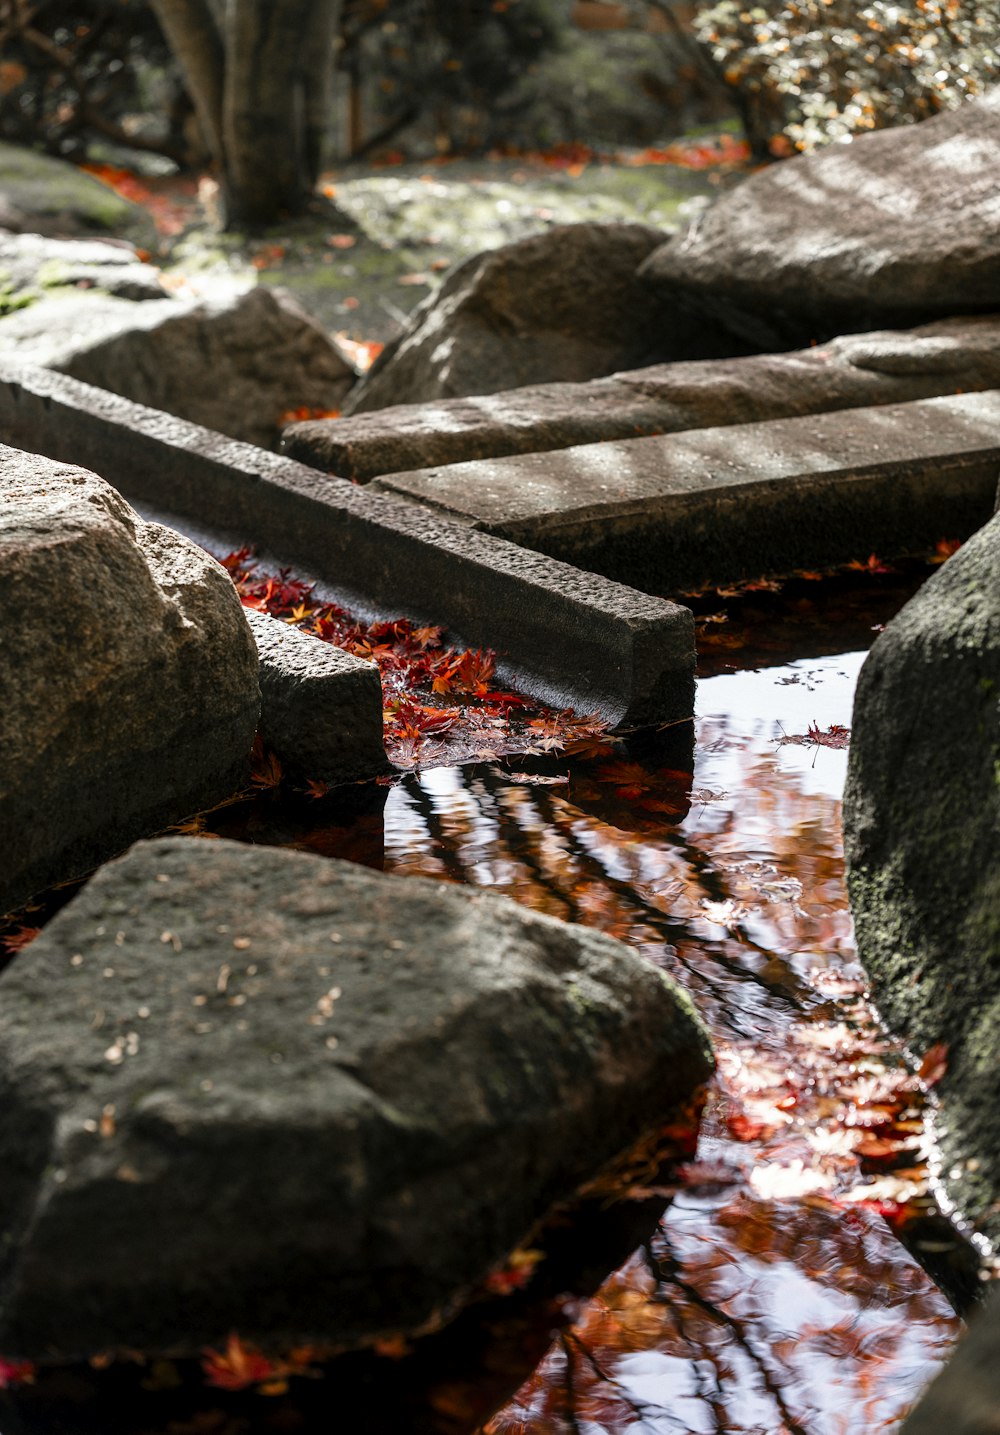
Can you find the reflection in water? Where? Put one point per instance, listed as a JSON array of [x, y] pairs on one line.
[[774, 1296]]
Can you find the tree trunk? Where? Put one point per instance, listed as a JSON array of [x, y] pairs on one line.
[[191, 31], [278, 54], [259, 73], [324, 26]]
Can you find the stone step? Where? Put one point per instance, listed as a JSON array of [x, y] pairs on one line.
[[321, 708], [714, 505], [567, 637], [855, 371]]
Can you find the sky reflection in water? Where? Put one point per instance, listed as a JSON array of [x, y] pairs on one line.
[[774, 1296]]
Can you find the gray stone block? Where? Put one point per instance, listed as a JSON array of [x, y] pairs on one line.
[[321, 708], [855, 371], [714, 505], [570, 638]]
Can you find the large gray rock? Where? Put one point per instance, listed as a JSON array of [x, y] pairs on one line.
[[256, 1089], [855, 371], [321, 708], [128, 674], [922, 838], [899, 227], [233, 365], [963, 1400], [563, 305], [31, 265], [43, 195]]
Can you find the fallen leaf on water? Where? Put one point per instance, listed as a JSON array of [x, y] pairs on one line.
[[944, 548], [236, 1368], [20, 938], [265, 770], [834, 736], [15, 1372], [871, 564], [304, 414]]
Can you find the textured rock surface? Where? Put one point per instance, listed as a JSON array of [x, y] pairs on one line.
[[963, 1399], [43, 195], [31, 265], [563, 305], [899, 227], [332, 1099], [922, 838], [128, 673], [233, 365], [684, 510], [321, 708], [855, 371]]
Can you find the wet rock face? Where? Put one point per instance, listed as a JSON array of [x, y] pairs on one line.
[[922, 839], [563, 306], [233, 365], [963, 1398], [256, 1089], [128, 674], [896, 228]]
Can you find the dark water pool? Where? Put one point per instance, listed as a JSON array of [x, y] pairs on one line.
[[774, 1294]]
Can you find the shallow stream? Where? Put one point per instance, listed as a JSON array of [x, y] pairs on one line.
[[775, 1294]]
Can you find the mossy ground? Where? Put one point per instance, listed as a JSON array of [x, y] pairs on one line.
[[361, 263]]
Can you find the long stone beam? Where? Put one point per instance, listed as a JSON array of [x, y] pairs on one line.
[[718, 504], [952, 356], [568, 637]]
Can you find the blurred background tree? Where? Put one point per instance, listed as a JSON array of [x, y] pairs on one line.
[[73, 72], [260, 87], [809, 72]]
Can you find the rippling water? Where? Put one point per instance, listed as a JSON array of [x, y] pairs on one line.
[[775, 1295]]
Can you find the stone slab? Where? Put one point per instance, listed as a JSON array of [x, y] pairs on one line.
[[321, 708], [718, 504], [563, 635], [854, 371]]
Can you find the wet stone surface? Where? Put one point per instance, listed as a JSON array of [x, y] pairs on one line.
[[250, 1087]]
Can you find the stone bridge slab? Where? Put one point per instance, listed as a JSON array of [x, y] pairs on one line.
[[951, 356], [714, 505]]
